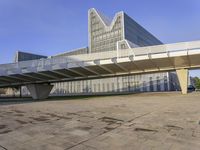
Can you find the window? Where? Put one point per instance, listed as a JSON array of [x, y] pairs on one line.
[[94, 88], [144, 86], [103, 87], [158, 84], [165, 83], [151, 84], [113, 87], [99, 87], [108, 87], [137, 86]]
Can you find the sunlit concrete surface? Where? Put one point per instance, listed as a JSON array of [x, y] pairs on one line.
[[140, 121]]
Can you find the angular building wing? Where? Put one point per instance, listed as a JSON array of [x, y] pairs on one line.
[[122, 32], [104, 34]]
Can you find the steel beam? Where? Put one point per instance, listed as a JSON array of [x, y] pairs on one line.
[[47, 75], [97, 62], [84, 67], [17, 78], [62, 74], [76, 72], [33, 77]]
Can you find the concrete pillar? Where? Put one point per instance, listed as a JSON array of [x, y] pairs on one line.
[[39, 91], [183, 79]]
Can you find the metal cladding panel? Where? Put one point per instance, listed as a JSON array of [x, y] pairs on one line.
[[8, 78], [195, 51], [25, 77], [41, 77], [53, 74], [163, 63], [27, 70], [3, 82], [59, 72], [14, 71], [130, 66], [177, 53], [181, 61], [68, 72], [113, 67], [194, 59], [3, 72], [98, 69], [145, 65], [157, 56], [3, 78], [83, 71]]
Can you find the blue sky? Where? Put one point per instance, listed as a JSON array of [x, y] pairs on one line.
[[48, 27]]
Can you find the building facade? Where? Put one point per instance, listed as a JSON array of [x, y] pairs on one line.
[[23, 56], [111, 35]]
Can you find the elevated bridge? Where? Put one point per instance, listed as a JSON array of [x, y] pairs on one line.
[[38, 75]]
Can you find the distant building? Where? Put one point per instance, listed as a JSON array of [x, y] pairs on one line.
[[112, 35], [79, 51], [23, 56]]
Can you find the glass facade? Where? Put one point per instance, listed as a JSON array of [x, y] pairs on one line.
[[130, 83], [137, 34], [105, 34], [102, 39], [23, 56]]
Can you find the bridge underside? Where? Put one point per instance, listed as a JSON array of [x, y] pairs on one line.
[[179, 61]]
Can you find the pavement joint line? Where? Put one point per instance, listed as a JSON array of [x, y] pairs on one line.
[[108, 131], [140, 116], [3, 147], [111, 129], [134, 119], [92, 138], [90, 146]]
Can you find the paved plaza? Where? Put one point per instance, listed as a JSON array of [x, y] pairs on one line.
[[169, 121]]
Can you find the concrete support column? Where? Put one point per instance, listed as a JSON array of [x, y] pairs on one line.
[[183, 79], [39, 91]]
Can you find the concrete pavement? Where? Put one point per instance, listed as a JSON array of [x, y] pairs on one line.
[[130, 122]]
